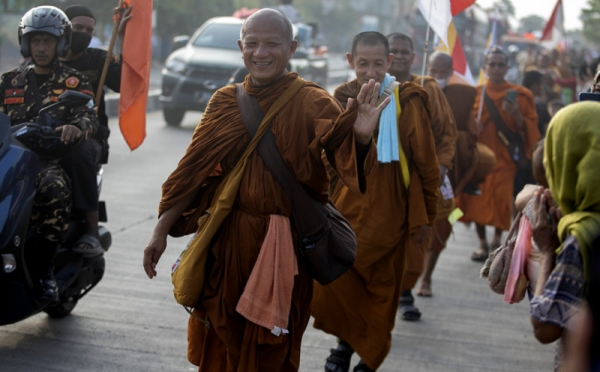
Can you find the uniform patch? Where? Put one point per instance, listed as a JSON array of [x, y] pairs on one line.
[[58, 91], [72, 82], [14, 100], [53, 99], [15, 81], [14, 92]]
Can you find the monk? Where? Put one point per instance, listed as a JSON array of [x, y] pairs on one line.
[[444, 134], [472, 161], [360, 307], [219, 337], [494, 205]]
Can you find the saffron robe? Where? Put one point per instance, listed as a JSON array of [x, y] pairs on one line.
[[494, 206], [445, 134], [310, 122], [360, 306]]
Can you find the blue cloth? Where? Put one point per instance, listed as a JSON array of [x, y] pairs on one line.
[[387, 141]]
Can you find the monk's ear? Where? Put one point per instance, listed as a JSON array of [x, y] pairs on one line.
[[350, 59], [389, 61], [241, 46], [293, 47]]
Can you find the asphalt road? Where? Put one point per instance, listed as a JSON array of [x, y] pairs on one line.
[[129, 323]]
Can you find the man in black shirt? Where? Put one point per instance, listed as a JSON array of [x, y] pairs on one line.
[[83, 162]]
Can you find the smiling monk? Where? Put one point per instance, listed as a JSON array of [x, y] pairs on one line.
[[220, 337], [360, 307]]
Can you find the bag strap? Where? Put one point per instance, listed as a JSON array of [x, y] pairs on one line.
[[267, 147], [387, 92], [506, 135]]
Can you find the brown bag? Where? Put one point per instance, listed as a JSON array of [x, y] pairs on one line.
[[325, 238], [188, 274], [497, 266]]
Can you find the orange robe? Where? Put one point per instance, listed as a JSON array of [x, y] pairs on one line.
[[360, 306], [461, 99], [310, 122], [445, 135], [494, 206]]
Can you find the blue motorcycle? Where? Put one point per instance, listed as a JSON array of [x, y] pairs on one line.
[[75, 274]]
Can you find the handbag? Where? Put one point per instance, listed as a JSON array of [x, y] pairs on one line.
[[189, 270], [497, 266], [513, 141], [325, 238]]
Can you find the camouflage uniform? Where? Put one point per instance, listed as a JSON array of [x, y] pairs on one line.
[[52, 205]]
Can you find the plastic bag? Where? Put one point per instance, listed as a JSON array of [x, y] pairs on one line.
[[516, 284]]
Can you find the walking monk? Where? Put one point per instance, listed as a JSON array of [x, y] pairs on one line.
[[444, 135], [219, 337], [472, 161], [360, 307], [517, 114]]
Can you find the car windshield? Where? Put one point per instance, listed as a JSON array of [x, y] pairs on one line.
[[222, 36]]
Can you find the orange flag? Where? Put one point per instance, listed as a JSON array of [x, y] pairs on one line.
[[135, 73]]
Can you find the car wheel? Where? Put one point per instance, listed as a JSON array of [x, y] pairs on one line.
[[62, 308], [173, 116]]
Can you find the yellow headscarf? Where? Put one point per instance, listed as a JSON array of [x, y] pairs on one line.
[[572, 162]]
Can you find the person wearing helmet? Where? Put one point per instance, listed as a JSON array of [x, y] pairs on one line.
[[81, 164], [44, 35]]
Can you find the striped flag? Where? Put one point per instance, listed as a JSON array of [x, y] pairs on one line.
[[462, 70], [554, 31], [439, 13]]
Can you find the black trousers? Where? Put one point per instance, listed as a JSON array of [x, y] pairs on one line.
[[81, 164]]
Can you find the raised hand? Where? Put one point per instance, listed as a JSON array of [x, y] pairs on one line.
[[368, 112]]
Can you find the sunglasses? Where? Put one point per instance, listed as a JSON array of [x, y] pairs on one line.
[[498, 64]]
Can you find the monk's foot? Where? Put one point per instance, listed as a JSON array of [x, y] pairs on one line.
[[362, 367], [339, 359], [481, 253], [425, 289], [407, 308]]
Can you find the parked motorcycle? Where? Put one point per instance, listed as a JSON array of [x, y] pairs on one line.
[[75, 274]]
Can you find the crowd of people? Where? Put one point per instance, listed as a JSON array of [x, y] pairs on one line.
[[397, 154]]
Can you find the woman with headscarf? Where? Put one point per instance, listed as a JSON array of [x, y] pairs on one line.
[[567, 221]]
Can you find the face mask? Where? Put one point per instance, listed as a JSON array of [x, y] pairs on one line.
[[79, 42], [443, 83]]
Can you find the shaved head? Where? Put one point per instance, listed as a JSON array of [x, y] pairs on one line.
[[441, 59], [271, 17]]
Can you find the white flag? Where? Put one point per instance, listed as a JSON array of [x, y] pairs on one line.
[[438, 14]]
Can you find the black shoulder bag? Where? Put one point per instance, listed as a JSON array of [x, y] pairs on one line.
[[513, 141], [325, 238]]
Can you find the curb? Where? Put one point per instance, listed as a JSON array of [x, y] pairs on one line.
[[112, 102]]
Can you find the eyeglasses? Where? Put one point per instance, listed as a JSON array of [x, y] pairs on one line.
[[497, 64]]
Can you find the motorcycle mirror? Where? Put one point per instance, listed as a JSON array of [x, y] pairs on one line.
[[69, 99]]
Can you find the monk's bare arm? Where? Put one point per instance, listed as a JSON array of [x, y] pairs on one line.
[[158, 242]]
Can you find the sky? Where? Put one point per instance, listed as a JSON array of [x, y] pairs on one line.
[[544, 8]]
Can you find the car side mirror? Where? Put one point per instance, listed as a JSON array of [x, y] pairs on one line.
[[180, 41]]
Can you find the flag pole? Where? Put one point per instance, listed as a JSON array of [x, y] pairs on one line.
[[111, 46], [426, 43]]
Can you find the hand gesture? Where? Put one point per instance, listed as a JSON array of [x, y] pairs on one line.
[[512, 108], [154, 250], [545, 223], [69, 133], [368, 112]]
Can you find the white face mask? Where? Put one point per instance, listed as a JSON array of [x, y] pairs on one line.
[[443, 83]]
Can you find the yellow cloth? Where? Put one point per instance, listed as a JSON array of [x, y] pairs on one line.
[[572, 162]]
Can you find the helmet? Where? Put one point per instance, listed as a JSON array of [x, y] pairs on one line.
[[50, 20]]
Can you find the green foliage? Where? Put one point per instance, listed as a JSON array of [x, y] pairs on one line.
[[590, 17], [531, 23]]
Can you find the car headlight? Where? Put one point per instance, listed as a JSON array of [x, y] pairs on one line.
[[176, 65]]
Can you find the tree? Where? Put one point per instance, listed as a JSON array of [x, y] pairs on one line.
[[590, 17], [505, 7], [531, 23]]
